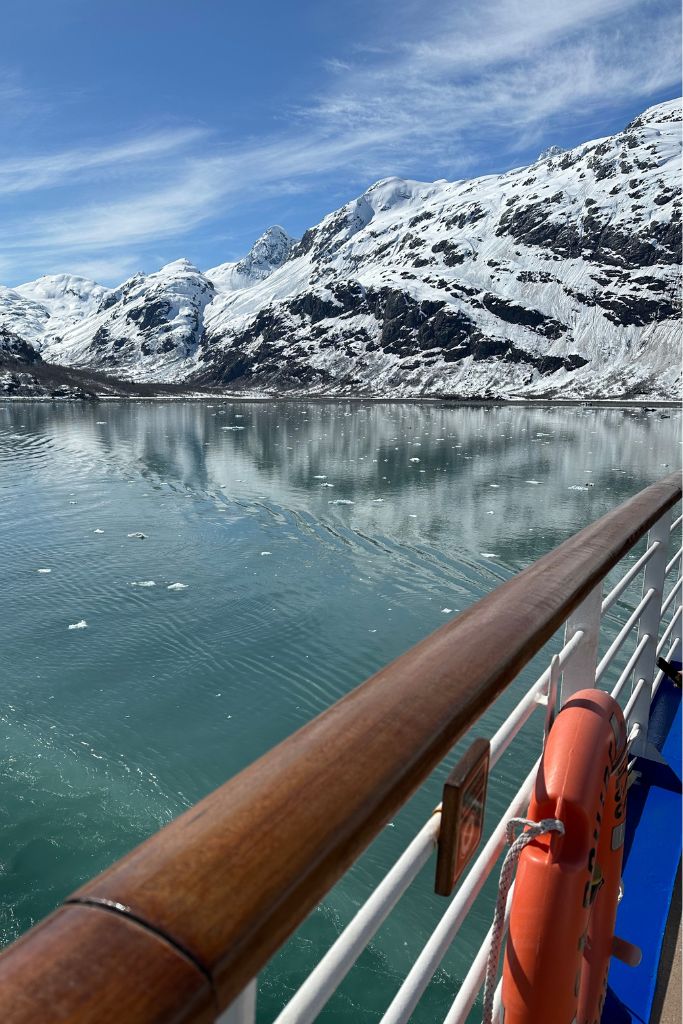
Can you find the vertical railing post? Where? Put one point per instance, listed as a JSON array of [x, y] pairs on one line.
[[580, 672], [243, 1009], [648, 625]]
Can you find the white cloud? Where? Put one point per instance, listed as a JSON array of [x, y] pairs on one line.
[[497, 74], [30, 173]]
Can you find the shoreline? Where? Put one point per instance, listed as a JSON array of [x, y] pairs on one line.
[[540, 403]]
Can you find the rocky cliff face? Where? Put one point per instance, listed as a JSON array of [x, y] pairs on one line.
[[557, 279]]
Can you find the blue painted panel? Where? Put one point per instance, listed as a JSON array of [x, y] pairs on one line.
[[652, 853]]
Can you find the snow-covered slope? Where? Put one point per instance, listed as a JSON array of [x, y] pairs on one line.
[[561, 278], [147, 328]]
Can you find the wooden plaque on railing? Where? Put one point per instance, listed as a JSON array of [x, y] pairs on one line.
[[462, 815]]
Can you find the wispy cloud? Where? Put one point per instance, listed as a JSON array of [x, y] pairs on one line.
[[492, 74], [88, 163]]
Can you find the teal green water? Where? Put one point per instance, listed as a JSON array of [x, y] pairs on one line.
[[315, 542]]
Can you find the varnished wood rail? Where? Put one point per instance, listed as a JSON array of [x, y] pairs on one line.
[[175, 930]]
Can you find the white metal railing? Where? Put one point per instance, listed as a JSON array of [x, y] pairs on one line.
[[575, 663]]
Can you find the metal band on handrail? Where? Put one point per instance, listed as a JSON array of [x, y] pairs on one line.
[[217, 892]]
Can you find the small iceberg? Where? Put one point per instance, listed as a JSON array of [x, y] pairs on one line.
[[265, 553], [43, 570], [488, 554], [137, 536], [177, 586], [446, 611], [98, 531], [340, 501], [143, 583], [413, 460], [79, 625]]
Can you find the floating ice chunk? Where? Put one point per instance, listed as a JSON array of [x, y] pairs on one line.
[[446, 611], [79, 625], [488, 554], [577, 487], [341, 501], [43, 570], [531, 481], [177, 586], [412, 515], [376, 501], [73, 502], [327, 485], [98, 531], [265, 553], [138, 536], [143, 583], [413, 460], [494, 485], [100, 423], [320, 476]]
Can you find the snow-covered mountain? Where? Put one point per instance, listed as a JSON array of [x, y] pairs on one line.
[[556, 279]]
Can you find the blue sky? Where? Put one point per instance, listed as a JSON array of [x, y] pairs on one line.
[[136, 132]]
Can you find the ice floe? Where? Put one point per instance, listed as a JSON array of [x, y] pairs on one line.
[[143, 583], [138, 536], [98, 531], [177, 586], [79, 625]]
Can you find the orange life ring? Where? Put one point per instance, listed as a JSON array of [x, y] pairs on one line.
[[564, 903]]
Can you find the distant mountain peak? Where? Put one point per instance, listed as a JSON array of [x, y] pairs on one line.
[[269, 251], [550, 152]]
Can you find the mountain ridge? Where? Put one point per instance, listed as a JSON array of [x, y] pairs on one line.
[[560, 278]]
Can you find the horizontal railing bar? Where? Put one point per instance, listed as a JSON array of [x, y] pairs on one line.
[[474, 979], [528, 704], [660, 675], [231, 878], [309, 999], [633, 698], [668, 631], [673, 561], [327, 975], [630, 665], [621, 586], [676, 523], [437, 945], [621, 636], [671, 596]]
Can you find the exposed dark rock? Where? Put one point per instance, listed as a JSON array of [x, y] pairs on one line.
[[513, 313]]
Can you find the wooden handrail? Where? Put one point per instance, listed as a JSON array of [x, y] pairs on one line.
[[182, 923]]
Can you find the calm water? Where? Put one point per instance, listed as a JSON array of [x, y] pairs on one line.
[[314, 542]]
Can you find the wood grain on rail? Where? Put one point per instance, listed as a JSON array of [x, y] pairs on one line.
[[85, 965], [231, 878]]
